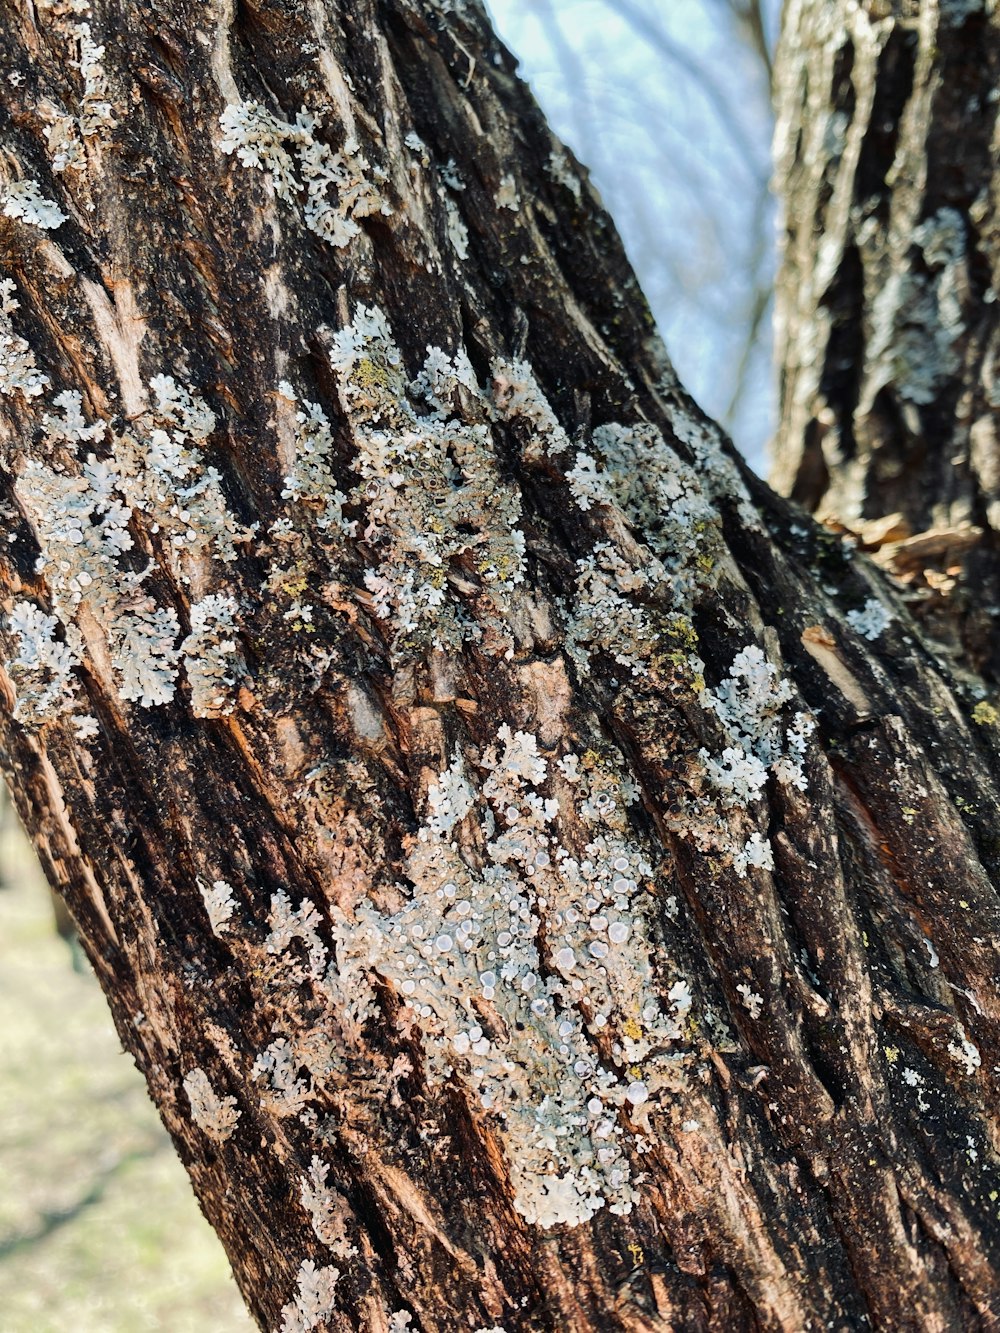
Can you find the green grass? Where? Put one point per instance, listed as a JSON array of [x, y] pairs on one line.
[[99, 1229]]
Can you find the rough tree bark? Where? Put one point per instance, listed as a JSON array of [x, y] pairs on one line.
[[547, 883], [887, 152]]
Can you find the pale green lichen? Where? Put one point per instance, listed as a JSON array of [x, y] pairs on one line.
[[18, 372], [212, 658], [41, 670], [339, 188], [96, 116], [325, 1207], [513, 1008], [917, 316], [518, 397], [80, 514], [311, 478], [142, 642], [870, 620], [749, 703], [437, 514], [164, 475], [605, 616]]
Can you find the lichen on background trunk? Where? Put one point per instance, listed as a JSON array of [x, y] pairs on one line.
[[546, 882], [887, 324]]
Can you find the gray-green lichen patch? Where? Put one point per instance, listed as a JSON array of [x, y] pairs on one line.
[[142, 643], [749, 703], [18, 371], [42, 668], [69, 136], [311, 478], [336, 189], [518, 397], [438, 517], [917, 317], [871, 620], [212, 657], [81, 510], [165, 476], [523, 953], [97, 118]]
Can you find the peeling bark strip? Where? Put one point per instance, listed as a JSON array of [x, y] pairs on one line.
[[546, 884], [887, 318]]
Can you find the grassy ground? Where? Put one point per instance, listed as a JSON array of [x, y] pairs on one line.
[[99, 1229]]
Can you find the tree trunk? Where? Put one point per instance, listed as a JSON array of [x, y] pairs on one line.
[[887, 321], [547, 883]]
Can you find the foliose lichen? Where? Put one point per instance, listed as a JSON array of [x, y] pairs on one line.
[[216, 1116], [336, 189]]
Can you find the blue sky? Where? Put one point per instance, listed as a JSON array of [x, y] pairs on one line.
[[669, 109]]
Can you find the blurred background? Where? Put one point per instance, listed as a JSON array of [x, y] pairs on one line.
[[668, 103]]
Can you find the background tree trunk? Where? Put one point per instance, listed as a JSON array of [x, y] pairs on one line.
[[443, 811], [886, 307]]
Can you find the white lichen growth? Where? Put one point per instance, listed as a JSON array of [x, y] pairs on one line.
[[71, 427], [289, 923], [871, 620], [212, 658], [164, 474], [752, 1002], [214, 1115], [749, 704], [966, 1054], [86, 727], [81, 525], [918, 316], [18, 372], [311, 478], [334, 189], [65, 145], [315, 1299], [518, 397], [81, 521], [142, 640], [96, 115], [586, 485], [450, 799], [605, 616], [458, 232], [326, 1210], [468, 943], [660, 496], [219, 904], [757, 853], [24, 200], [624, 590], [275, 1071], [438, 514], [41, 670]]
